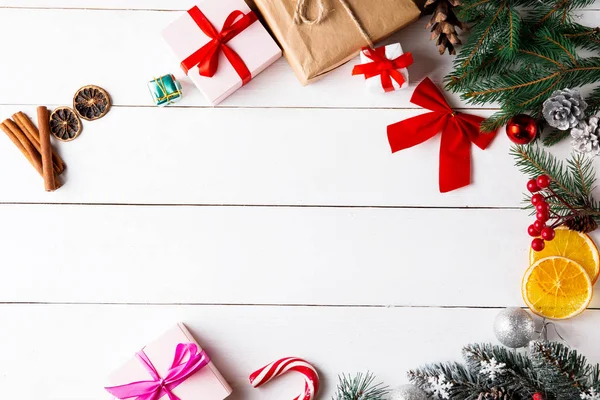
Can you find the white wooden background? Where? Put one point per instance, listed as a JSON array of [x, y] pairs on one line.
[[276, 224]]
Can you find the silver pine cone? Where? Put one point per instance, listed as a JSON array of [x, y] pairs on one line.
[[585, 137], [564, 109]]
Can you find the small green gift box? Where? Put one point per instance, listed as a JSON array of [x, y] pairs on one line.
[[165, 90]]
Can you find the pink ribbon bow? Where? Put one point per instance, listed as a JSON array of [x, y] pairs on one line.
[[156, 388]]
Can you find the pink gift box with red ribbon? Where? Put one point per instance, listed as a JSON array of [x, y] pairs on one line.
[[221, 46], [173, 367]]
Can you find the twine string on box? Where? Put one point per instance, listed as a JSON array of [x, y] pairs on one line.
[[301, 16]]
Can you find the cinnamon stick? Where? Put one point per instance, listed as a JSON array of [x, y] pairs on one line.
[[20, 140], [29, 129], [46, 149]]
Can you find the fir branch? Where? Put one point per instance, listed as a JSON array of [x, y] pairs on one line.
[[582, 170], [360, 387], [554, 137], [520, 51], [593, 101], [549, 368], [534, 161], [563, 370], [570, 192]]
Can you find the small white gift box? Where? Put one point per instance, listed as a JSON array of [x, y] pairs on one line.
[[384, 68], [221, 46]]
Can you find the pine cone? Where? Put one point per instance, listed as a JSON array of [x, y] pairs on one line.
[[443, 24], [495, 393], [584, 224], [585, 137], [564, 109]]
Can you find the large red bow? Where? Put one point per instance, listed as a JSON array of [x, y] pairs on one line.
[[207, 57], [458, 131], [380, 65]]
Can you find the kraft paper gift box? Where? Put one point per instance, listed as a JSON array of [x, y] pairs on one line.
[[374, 84], [221, 37], [206, 384], [313, 50]]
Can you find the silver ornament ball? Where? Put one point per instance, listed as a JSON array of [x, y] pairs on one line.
[[408, 392], [514, 327]]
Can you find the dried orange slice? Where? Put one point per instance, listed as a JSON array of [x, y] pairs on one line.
[[573, 245], [64, 124], [91, 102], [557, 288]]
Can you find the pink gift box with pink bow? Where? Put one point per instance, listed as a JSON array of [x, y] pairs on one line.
[[221, 46], [173, 367]]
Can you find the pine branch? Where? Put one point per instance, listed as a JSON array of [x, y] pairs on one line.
[[517, 378], [534, 161], [555, 136], [582, 171], [360, 387], [520, 51], [562, 370], [593, 101], [464, 383], [549, 368], [570, 192]]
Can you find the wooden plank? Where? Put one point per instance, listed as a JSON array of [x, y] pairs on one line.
[[64, 352], [87, 39], [119, 4], [263, 255], [259, 157]]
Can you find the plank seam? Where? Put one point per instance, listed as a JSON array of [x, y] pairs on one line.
[[271, 305], [335, 206]]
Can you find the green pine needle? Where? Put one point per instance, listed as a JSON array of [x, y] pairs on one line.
[[555, 136], [549, 368], [360, 387], [573, 182], [520, 52]]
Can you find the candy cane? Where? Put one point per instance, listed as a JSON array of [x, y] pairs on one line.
[[280, 367]]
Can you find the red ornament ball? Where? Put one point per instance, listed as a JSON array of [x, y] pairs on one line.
[[543, 181], [537, 396], [537, 198], [539, 225], [532, 186], [521, 129], [538, 244], [548, 234], [532, 231]]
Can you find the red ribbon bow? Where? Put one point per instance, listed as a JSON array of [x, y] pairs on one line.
[[207, 57], [380, 65], [458, 131]]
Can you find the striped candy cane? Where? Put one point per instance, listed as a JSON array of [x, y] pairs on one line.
[[280, 367]]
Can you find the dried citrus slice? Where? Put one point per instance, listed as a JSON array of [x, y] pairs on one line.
[[91, 102], [64, 124], [573, 245], [557, 288]]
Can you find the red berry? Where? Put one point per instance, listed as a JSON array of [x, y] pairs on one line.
[[538, 396], [532, 186], [543, 181], [542, 206], [548, 234], [542, 216], [532, 231], [537, 198], [538, 244], [539, 225]]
